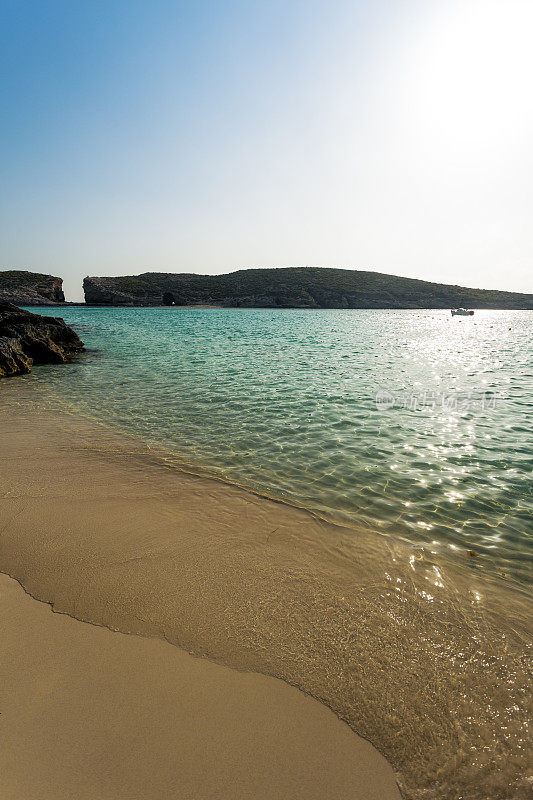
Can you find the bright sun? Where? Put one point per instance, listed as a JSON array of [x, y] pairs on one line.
[[470, 75]]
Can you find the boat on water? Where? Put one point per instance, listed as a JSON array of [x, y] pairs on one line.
[[462, 312]]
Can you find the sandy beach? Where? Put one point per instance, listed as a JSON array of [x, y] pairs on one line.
[[266, 400], [108, 532], [90, 713]]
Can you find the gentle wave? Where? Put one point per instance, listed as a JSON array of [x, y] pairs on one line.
[[408, 422], [424, 658]]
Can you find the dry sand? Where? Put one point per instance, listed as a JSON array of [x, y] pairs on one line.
[[423, 660], [90, 714]]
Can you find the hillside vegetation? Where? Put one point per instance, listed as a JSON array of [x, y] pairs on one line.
[[294, 287]]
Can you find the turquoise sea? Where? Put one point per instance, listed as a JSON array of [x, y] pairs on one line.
[[412, 423]]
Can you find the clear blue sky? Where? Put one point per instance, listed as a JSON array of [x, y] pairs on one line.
[[393, 135]]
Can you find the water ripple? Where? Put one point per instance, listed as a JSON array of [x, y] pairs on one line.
[[285, 402]]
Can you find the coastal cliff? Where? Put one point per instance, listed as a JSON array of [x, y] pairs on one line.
[[294, 287], [30, 288], [27, 339]]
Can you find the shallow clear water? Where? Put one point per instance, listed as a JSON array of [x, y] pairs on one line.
[[409, 422]]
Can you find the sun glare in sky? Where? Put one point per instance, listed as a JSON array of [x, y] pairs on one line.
[[171, 136], [469, 73]]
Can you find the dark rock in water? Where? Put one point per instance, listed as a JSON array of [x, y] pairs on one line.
[[294, 287], [30, 288], [13, 360], [27, 339]]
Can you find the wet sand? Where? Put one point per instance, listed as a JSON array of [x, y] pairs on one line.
[[425, 660], [91, 714]]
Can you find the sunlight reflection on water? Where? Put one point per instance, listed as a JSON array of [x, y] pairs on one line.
[[285, 402]]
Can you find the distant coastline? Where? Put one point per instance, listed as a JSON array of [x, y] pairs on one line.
[[291, 287]]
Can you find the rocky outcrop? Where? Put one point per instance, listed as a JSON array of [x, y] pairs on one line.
[[30, 288], [122, 291], [27, 339], [294, 287]]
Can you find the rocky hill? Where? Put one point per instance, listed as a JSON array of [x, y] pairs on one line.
[[294, 287], [30, 288]]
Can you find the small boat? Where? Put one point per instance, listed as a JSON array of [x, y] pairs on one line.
[[462, 312]]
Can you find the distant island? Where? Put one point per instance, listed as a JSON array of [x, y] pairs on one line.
[[30, 288], [292, 287]]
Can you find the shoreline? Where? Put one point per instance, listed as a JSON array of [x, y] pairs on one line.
[[90, 713], [136, 546], [155, 453]]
